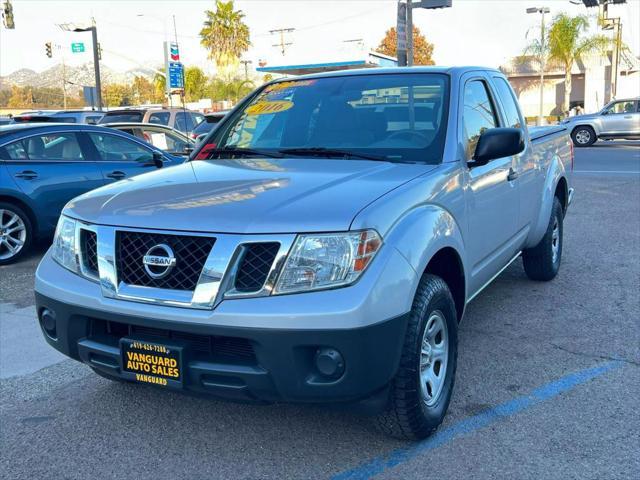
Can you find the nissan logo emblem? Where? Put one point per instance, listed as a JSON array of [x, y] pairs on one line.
[[159, 261]]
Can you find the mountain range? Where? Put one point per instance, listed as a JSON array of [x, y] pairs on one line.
[[78, 75]]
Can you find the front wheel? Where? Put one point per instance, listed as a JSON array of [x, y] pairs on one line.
[[421, 390], [542, 262], [584, 136]]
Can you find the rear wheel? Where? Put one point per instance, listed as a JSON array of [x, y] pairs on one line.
[[15, 233], [421, 390], [583, 136], [542, 262]]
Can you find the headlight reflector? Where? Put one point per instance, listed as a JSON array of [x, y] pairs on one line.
[[319, 261], [65, 249]]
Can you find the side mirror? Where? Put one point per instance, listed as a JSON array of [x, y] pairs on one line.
[[158, 159], [497, 143]]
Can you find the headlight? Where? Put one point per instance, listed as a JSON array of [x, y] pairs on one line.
[[65, 249], [319, 261]]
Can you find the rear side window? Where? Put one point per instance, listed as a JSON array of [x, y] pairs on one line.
[[197, 118], [160, 118], [55, 147], [203, 127], [121, 117], [508, 102], [93, 120], [183, 122], [478, 114], [117, 149]]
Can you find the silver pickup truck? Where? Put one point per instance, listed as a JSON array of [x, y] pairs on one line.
[[320, 246]]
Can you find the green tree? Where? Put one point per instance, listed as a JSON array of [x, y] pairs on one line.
[[566, 43], [422, 49], [225, 36], [159, 85], [195, 83], [117, 95], [143, 90]]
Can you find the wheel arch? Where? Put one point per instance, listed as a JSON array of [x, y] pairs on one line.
[[447, 264], [429, 238], [589, 125], [24, 206]]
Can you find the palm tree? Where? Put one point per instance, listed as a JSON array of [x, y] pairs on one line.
[[567, 45], [225, 36]]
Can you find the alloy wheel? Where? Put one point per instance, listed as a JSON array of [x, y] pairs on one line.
[[13, 234]]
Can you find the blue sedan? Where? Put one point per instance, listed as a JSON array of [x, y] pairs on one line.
[[43, 166]]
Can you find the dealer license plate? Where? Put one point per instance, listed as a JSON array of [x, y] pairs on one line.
[[150, 362]]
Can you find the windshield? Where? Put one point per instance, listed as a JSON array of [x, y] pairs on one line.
[[121, 117], [397, 117]]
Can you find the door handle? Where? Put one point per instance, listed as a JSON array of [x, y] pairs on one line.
[[512, 175], [117, 175], [27, 175]]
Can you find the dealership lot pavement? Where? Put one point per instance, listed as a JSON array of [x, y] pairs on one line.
[[547, 386]]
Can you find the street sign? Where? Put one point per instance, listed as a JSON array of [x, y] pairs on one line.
[[176, 71], [77, 47], [90, 95]]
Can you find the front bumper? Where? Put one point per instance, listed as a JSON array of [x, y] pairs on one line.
[[247, 364]]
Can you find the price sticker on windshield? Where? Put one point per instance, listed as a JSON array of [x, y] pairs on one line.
[[267, 108]]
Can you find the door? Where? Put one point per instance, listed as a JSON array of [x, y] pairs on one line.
[[120, 157], [51, 168], [492, 201], [621, 117]]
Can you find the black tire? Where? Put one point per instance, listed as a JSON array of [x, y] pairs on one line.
[[10, 209], [583, 136], [407, 414], [539, 261]]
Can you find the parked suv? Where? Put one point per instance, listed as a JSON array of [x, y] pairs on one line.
[[320, 246], [618, 119], [178, 118], [90, 117]]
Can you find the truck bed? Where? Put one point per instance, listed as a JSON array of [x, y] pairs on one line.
[[537, 133]]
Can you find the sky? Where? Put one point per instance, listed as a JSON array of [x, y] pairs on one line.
[[131, 32]]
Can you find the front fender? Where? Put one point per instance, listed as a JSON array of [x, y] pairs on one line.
[[555, 171], [422, 232]]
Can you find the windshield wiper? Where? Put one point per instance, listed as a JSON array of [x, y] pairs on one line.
[[245, 152], [331, 152]]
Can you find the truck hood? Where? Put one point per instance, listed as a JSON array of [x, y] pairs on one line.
[[246, 195]]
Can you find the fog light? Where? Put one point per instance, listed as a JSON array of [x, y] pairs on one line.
[[48, 322], [329, 362]]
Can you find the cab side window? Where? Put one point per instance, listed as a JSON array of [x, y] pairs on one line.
[[478, 114], [508, 102]]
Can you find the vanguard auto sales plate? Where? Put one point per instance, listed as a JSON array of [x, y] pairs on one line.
[[150, 362]]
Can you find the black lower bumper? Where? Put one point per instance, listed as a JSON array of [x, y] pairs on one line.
[[264, 365]]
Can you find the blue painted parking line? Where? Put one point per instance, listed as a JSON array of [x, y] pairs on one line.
[[380, 464]]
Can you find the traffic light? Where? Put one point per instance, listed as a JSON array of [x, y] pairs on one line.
[[47, 47], [7, 15]]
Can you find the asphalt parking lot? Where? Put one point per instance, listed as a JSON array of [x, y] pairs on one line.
[[547, 386]]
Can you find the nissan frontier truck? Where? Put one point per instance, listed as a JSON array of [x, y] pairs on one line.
[[320, 246]]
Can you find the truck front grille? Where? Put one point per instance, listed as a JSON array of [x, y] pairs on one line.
[[255, 265], [89, 251], [212, 346], [191, 253]]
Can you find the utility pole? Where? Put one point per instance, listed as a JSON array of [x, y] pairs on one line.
[[70, 27], [404, 26], [282, 44], [246, 64], [543, 59]]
